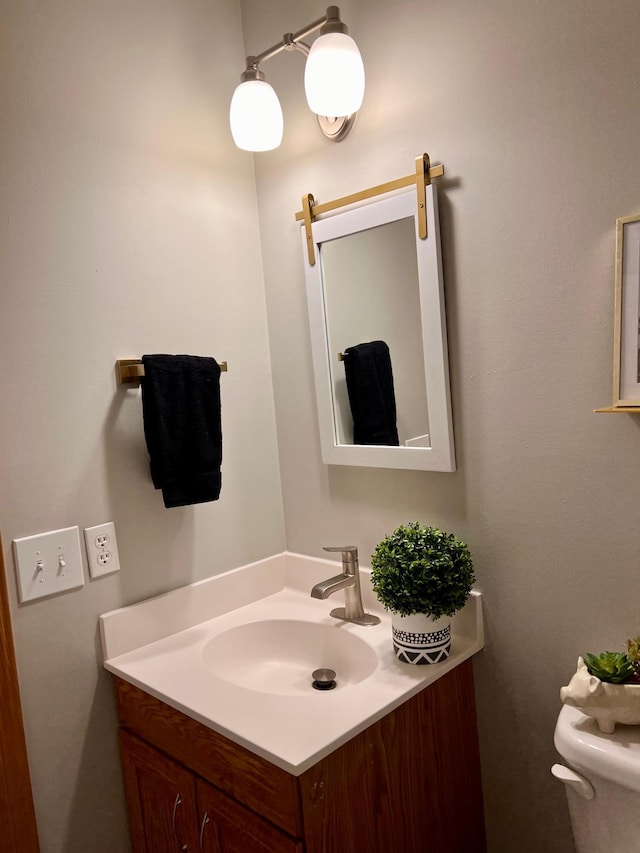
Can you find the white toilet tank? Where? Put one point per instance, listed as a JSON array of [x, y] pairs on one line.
[[602, 779]]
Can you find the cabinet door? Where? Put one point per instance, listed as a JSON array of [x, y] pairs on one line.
[[161, 800], [228, 827]]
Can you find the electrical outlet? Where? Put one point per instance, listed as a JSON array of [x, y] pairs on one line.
[[102, 549], [48, 563]]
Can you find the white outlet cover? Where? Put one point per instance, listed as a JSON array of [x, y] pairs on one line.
[[102, 549], [48, 563]]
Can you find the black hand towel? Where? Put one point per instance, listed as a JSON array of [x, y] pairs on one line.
[[183, 427], [371, 396]]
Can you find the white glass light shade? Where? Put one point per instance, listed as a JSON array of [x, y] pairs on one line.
[[334, 76], [255, 116]]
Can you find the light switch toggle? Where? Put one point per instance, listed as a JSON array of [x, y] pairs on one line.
[[61, 562]]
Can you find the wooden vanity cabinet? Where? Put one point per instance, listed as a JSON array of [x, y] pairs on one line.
[[410, 783], [234, 829], [171, 809], [161, 795]]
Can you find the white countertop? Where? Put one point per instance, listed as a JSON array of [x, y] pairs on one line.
[[158, 646]]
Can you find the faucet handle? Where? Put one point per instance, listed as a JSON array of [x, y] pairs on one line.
[[349, 552]]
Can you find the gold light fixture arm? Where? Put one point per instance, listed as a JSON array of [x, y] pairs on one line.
[[421, 178]]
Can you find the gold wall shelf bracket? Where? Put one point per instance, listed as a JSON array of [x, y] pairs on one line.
[[129, 371], [421, 179]]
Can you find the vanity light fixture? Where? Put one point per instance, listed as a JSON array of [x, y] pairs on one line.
[[333, 81]]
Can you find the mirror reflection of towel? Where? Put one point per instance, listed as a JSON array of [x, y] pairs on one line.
[[182, 426], [371, 396]]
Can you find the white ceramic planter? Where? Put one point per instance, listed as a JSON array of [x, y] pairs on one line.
[[607, 703], [419, 639]]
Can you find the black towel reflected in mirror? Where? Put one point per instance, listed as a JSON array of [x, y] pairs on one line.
[[371, 395]]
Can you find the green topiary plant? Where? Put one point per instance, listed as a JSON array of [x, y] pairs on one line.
[[420, 569], [614, 667]]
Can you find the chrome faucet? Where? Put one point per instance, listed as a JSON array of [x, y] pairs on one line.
[[349, 581]]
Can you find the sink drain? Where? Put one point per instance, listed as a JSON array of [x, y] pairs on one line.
[[323, 679]]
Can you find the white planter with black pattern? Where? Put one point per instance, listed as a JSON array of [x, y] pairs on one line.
[[419, 639]]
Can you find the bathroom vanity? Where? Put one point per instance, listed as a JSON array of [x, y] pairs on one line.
[[386, 762], [409, 783]]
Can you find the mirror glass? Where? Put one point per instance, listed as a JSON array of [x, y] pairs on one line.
[[371, 293], [378, 335]]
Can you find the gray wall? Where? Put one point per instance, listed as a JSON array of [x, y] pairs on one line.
[[129, 225], [533, 109]]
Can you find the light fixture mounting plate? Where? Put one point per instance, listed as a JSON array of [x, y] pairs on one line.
[[336, 128]]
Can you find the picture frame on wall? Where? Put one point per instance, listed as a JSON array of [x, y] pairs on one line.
[[626, 357]]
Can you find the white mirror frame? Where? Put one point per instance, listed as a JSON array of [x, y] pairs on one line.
[[440, 455]]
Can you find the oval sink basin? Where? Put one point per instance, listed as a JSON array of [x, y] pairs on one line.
[[278, 656]]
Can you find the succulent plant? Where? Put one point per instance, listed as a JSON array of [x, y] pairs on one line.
[[633, 650], [633, 653], [614, 667]]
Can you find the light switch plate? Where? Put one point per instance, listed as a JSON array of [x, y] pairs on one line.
[[102, 549], [48, 563]]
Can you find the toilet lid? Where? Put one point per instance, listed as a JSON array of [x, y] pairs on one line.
[[613, 757]]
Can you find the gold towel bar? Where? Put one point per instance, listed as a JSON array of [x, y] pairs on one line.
[[131, 370]]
